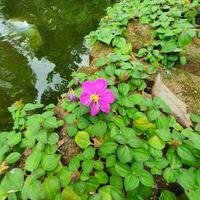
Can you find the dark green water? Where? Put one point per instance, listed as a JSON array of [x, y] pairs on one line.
[[36, 65]]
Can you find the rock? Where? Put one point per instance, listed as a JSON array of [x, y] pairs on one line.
[[139, 35], [88, 70], [186, 86], [192, 53], [97, 51], [26, 30], [178, 107]]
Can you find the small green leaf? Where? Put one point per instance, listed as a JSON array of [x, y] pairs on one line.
[[146, 179], [99, 128], [83, 123], [13, 157], [122, 169], [124, 154], [167, 195], [33, 161], [51, 187], [13, 180], [101, 177], [107, 148], [89, 152], [131, 182], [156, 142], [82, 139], [140, 154], [65, 177], [123, 88], [53, 138], [50, 162], [169, 175]]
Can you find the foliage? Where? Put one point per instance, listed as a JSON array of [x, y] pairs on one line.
[[135, 151], [172, 23]]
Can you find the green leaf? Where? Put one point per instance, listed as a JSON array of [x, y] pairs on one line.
[[50, 123], [107, 148], [35, 190], [69, 194], [147, 179], [65, 177], [50, 162], [140, 154], [186, 179], [124, 154], [82, 139], [89, 152], [156, 142], [33, 161], [186, 155], [72, 130], [117, 193], [105, 192], [183, 60], [110, 69], [131, 182], [83, 123], [164, 134], [41, 136], [123, 88], [14, 139], [101, 177], [167, 195], [31, 106], [53, 138], [184, 39], [87, 166], [74, 164], [122, 169], [101, 62], [13, 157], [51, 187], [13, 180], [169, 46], [92, 184], [99, 128], [119, 42], [110, 161], [169, 175]]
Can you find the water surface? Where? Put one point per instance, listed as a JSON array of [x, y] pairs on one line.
[[41, 43]]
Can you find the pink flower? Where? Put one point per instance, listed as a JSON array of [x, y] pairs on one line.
[[96, 96]]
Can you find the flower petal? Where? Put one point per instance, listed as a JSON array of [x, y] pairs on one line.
[[88, 86], [94, 108], [100, 85], [85, 99], [107, 96], [104, 106]]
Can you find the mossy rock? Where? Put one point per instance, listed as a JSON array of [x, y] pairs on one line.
[[89, 70], [192, 53], [186, 86], [139, 35], [97, 51]]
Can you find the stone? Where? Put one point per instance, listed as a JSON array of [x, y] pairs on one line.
[[139, 35]]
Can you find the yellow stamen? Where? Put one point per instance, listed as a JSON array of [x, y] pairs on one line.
[[94, 98]]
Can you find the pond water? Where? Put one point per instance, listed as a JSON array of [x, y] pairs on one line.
[[41, 43]]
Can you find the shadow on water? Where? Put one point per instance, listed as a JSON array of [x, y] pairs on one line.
[[41, 43]]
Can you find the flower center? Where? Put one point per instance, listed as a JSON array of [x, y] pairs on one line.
[[94, 98]]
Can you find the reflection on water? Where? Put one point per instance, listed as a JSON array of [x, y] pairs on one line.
[[41, 42]]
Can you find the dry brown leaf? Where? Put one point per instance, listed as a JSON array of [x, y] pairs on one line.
[[179, 108]]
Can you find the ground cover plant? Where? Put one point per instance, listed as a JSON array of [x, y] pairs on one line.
[[131, 147]]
